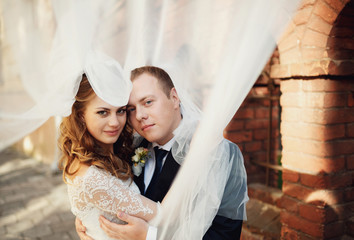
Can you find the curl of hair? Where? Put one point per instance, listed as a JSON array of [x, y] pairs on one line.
[[78, 145]]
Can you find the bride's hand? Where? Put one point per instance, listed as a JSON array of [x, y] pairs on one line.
[[81, 230], [136, 228]]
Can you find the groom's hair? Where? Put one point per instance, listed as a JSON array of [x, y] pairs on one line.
[[161, 75]]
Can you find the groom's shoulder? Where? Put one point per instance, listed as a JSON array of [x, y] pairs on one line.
[[233, 149], [231, 145]]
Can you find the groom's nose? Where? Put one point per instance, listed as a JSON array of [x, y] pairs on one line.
[[140, 113]]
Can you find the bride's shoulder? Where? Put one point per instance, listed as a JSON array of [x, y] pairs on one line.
[[80, 172]]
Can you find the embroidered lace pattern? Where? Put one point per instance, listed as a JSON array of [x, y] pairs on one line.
[[99, 193]]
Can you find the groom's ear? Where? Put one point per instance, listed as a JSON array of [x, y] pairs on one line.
[[174, 97]]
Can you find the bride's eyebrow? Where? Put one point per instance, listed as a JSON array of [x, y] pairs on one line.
[[103, 108]]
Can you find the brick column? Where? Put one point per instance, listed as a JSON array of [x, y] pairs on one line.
[[318, 157], [316, 70]]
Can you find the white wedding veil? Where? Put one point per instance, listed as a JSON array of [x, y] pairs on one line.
[[214, 50]]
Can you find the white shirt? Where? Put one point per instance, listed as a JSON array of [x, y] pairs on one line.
[[151, 162], [149, 171]]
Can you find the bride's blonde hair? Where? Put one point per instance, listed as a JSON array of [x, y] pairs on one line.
[[78, 145]]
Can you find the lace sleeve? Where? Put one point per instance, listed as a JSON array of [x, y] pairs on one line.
[[111, 194]]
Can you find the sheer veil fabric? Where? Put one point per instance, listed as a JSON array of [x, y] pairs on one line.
[[213, 51]]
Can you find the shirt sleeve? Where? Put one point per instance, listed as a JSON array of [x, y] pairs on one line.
[[152, 233]]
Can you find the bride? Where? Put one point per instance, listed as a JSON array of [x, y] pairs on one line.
[[100, 181]]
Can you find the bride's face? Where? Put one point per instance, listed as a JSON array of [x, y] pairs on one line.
[[104, 121]]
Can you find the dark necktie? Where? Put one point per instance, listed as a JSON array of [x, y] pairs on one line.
[[159, 155]]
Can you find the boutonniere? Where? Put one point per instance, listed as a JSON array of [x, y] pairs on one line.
[[139, 159]]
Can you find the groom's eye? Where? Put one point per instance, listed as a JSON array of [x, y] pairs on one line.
[[148, 102], [130, 110]]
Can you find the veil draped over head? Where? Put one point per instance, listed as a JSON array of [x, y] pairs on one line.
[[213, 51]]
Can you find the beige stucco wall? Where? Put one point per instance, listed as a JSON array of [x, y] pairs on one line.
[[42, 143]]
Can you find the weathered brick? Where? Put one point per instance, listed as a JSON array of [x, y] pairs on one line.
[[312, 164], [318, 148], [318, 24], [291, 114], [313, 131], [325, 181], [349, 194], [350, 162], [303, 15], [341, 68], [296, 190], [290, 176], [350, 226], [244, 113], [314, 39], [287, 42], [306, 3], [335, 229], [238, 137], [326, 85], [253, 146], [311, 228], [261, 112], [256, 124], [260, 134], [289, 233], [312, 212], [235, 125], [290, 204], [291, 86], [280, 71], [351, 101], [313, 53], [345, 43], [322, 116], [327, 13], [336, 5]]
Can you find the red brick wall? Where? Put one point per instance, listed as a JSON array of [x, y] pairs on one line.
[[316, 69], [249, 129]]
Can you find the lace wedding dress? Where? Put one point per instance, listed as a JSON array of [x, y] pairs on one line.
[[100, 193]]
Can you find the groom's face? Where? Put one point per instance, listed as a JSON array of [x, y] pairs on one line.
[[151, 113]]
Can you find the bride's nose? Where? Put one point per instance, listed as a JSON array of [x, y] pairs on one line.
[[113, 121]]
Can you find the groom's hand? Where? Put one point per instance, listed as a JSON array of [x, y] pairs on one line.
[[136, 228], [81, 230]]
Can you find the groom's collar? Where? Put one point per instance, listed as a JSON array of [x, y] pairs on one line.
[[166, 146]]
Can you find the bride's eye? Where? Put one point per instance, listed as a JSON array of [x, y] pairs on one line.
[[102, 113], [121, 111]]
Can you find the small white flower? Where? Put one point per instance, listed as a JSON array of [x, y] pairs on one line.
[[139, 159], [135, 158]]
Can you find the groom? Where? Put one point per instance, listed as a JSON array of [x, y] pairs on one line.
[[154, 112]]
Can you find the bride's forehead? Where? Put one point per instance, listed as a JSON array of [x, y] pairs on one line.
[[97, 102]]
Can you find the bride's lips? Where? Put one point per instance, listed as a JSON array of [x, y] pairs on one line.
[[112, 133], [147, 127]]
